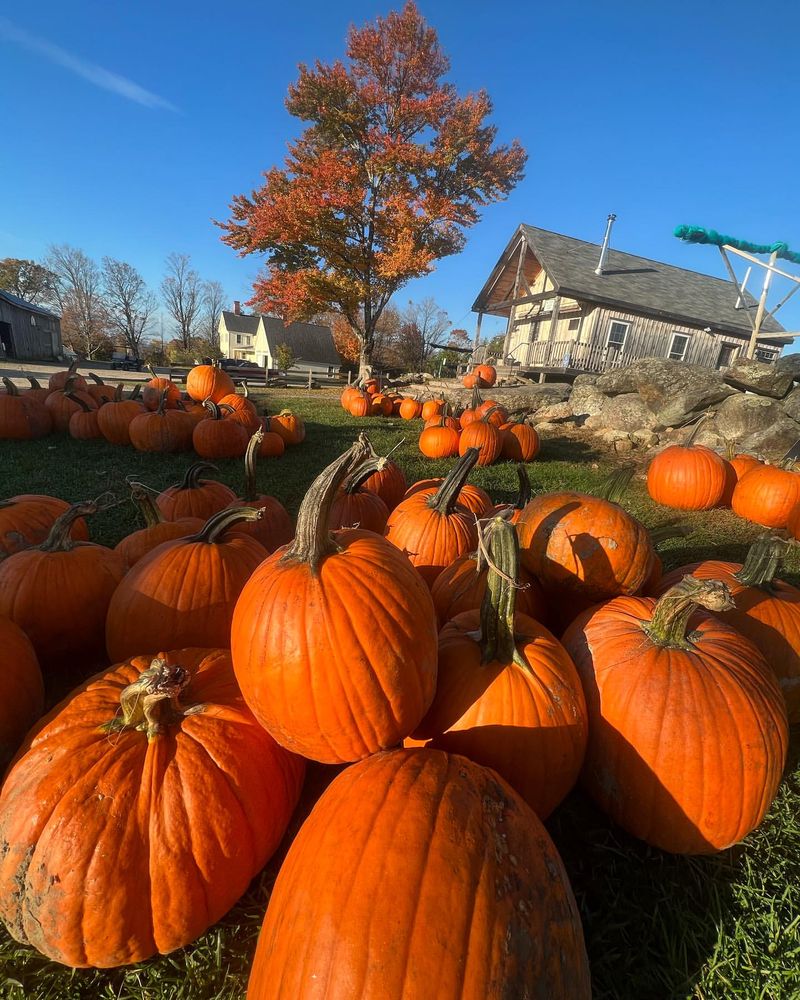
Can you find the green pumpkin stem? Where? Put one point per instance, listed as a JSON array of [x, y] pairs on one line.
[[216, 526], [525, 492], [59, 539], [670, 621], [446, 497], [151, 703], [191, 480], [500, 599], [763, 560], [313, 539], [77, 399], [693, 434], [615, 485], [143, 499], [96, 379], [250, 456]]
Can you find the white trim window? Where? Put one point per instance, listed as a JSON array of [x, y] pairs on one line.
[[679, 346], [617, 335]]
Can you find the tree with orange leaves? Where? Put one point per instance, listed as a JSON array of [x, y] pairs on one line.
[[390, 170]]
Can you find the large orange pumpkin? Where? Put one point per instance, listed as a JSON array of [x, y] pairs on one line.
[[140, 811], [334, 637], [195, 497], [486, 374], [184, 590], [687, 478], [274, 528], [21, 688], [163, 429], [359, 405], [83, 424], [483, 435], [26, 520], [767, 495], [473, 497], [507, 693], [767, 610], [433, 408], [432, 527], [519, 441], [208, 382], [58, 592], [410, 408], [219, 437], [114, 418], [421, 875], [687, 730], [437, 440], [157, 530]]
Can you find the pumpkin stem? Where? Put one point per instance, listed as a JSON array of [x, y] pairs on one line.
[[250, 489], [216, 526], [118, 393], [213, 409], [96, 379], [763, 560], [669, 529], [77, 399], [616, 484], [245, 390], [191, 481], [11, 388], [690, 440], [525, 492], [446, 497], [136, 391], [667, 627], [359, 475], [313, 539], [151, 702], [162, 402], [34, 382], [143, 499], [59, 539], [500, 599]]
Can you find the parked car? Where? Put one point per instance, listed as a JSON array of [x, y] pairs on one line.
[[228, 363], [125, 362]]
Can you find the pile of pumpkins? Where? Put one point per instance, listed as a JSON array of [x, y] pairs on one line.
[[459, 664], [693, 477], [210, 418], [485, 424]]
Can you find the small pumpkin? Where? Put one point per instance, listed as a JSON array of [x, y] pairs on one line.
[[387, 480], [519, 441], [483, 435], [114, 418], [486, 374], [355, 507], [359, 405], [195, 497], [160, 392], [687, 477], [410, 408], [767, 494], [274, 528], [83, 424], [26, 520], [289, 426], [242, 410], [138, 544], [433, 408]]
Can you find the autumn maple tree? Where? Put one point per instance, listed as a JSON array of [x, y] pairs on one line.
[[392, 166]]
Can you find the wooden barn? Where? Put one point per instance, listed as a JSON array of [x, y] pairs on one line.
[[27, 331], [568, 311]]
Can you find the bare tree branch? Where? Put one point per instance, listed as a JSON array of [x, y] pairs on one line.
[[78, 291], [182, 292], [129, 302], [213, 303]]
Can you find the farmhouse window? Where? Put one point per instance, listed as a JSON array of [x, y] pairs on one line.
[[33, 321], [238, 338], [573, 325], [766, 355], [678, 347], [617, 334]]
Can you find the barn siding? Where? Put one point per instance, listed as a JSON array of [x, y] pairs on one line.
[[39, 341]]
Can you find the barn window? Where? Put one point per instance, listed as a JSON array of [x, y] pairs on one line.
[[573, 325], [678, 347], [33, 321], [617, 334]]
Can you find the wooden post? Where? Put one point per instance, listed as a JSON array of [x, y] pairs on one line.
[[513, 307], [762, 304], [349, 376], [309, 378], [477, 343]]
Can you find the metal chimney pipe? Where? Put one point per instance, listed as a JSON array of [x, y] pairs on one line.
[[606, 240]]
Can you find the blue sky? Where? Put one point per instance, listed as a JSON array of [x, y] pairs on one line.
[[130, 126]]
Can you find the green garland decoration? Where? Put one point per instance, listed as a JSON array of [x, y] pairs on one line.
[[696, 234]]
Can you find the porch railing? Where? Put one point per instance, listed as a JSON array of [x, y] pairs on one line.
[[568, 354]]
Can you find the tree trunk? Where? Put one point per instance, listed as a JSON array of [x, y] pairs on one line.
[[365, 358]]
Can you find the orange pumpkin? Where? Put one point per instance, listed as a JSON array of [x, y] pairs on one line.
[[472, 497], [83, 424], [114, 418], [383, 403], [355, 507], [241, 410], [484, 436], [162, 430], [486, 374], [21, 688], [334, 637], [688, 789], [274, 528], [195, 497], [157, 530], [26, 520], [36, 390], [433, 408], [389, 841], [98, 390], [219, 437], [271, 445], [58, 380], [22, 417], [156, 768], [209, 382], [290, 427], [437, 440], [410, 409], [519, 441], [387, 481], [359, 405], [495, 414], [470, 381], [767, 495], [687, 478], [64, 402], [160, 392]]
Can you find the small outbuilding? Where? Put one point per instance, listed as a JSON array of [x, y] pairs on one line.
[[27, 331]]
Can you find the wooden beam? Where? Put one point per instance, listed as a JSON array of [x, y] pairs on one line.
[[554, 318], [735, 280], [762, 305], [783, 301], [478, 332], [512, 310], [522, 300], [769, 266]]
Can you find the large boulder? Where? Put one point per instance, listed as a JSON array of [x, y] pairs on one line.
[[791, 364], [530, 398], [672, 390], [586, 399], [756, 424], [791, 404], [764, 380], [626, 412]]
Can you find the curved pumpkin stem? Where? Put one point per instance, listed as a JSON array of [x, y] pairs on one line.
[[191, 480], [135, 392], [151, 702], [358, 476], [445, 498], [313, 539], [59, 539], [34, 382], [763, 560], [250, 456], [690, 439], [11, 388], [77, 399], [213, 408], [616, 484], [670, 621], [669, 529], [245, 390], [216, 526], [525, 491], [96, 379], [500, 599], [143, 499]]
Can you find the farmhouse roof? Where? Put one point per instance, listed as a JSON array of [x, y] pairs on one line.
[[635, 283], [240, 323], [15, 300], [309, 342]]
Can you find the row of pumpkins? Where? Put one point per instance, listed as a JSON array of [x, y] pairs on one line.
[[424, 656], [485, 424], [693, 477], [211, 418]]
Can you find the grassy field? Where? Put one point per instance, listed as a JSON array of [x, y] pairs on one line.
[[656, 926]]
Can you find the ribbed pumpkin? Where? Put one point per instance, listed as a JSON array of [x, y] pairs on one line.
[[495, 414], [472, 497], [157, 530], [433, 408], [208, 382], [410, 409], [487, 374], [83, 424], [470, 413], [22, 417], [470, 380], [383, 403], [687, 729], [359, 405], [58, 592], [387, 481], [164, 429], [218, 437], [437, 440], [98, 390], [274, 528], [290, 427], [687, 477], [432, 527], [185, 590], [421, 875], [159, 391], [349, 393], [114, 418], [483, 435], [767, 610], [334, 637], [519, 441], [58, 380], [242, 410], [583, 549], [355, 507], [26, 520], [270, 445], [507, 693], [21, 688], [64, 402], [767, 495], [140, 812], [195, 497]]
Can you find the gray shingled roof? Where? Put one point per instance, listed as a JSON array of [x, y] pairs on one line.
[[240, 323], [15, 300], [310, 342], [639, 284]]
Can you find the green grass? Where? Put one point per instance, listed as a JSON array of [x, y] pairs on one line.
[[657, 926]]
